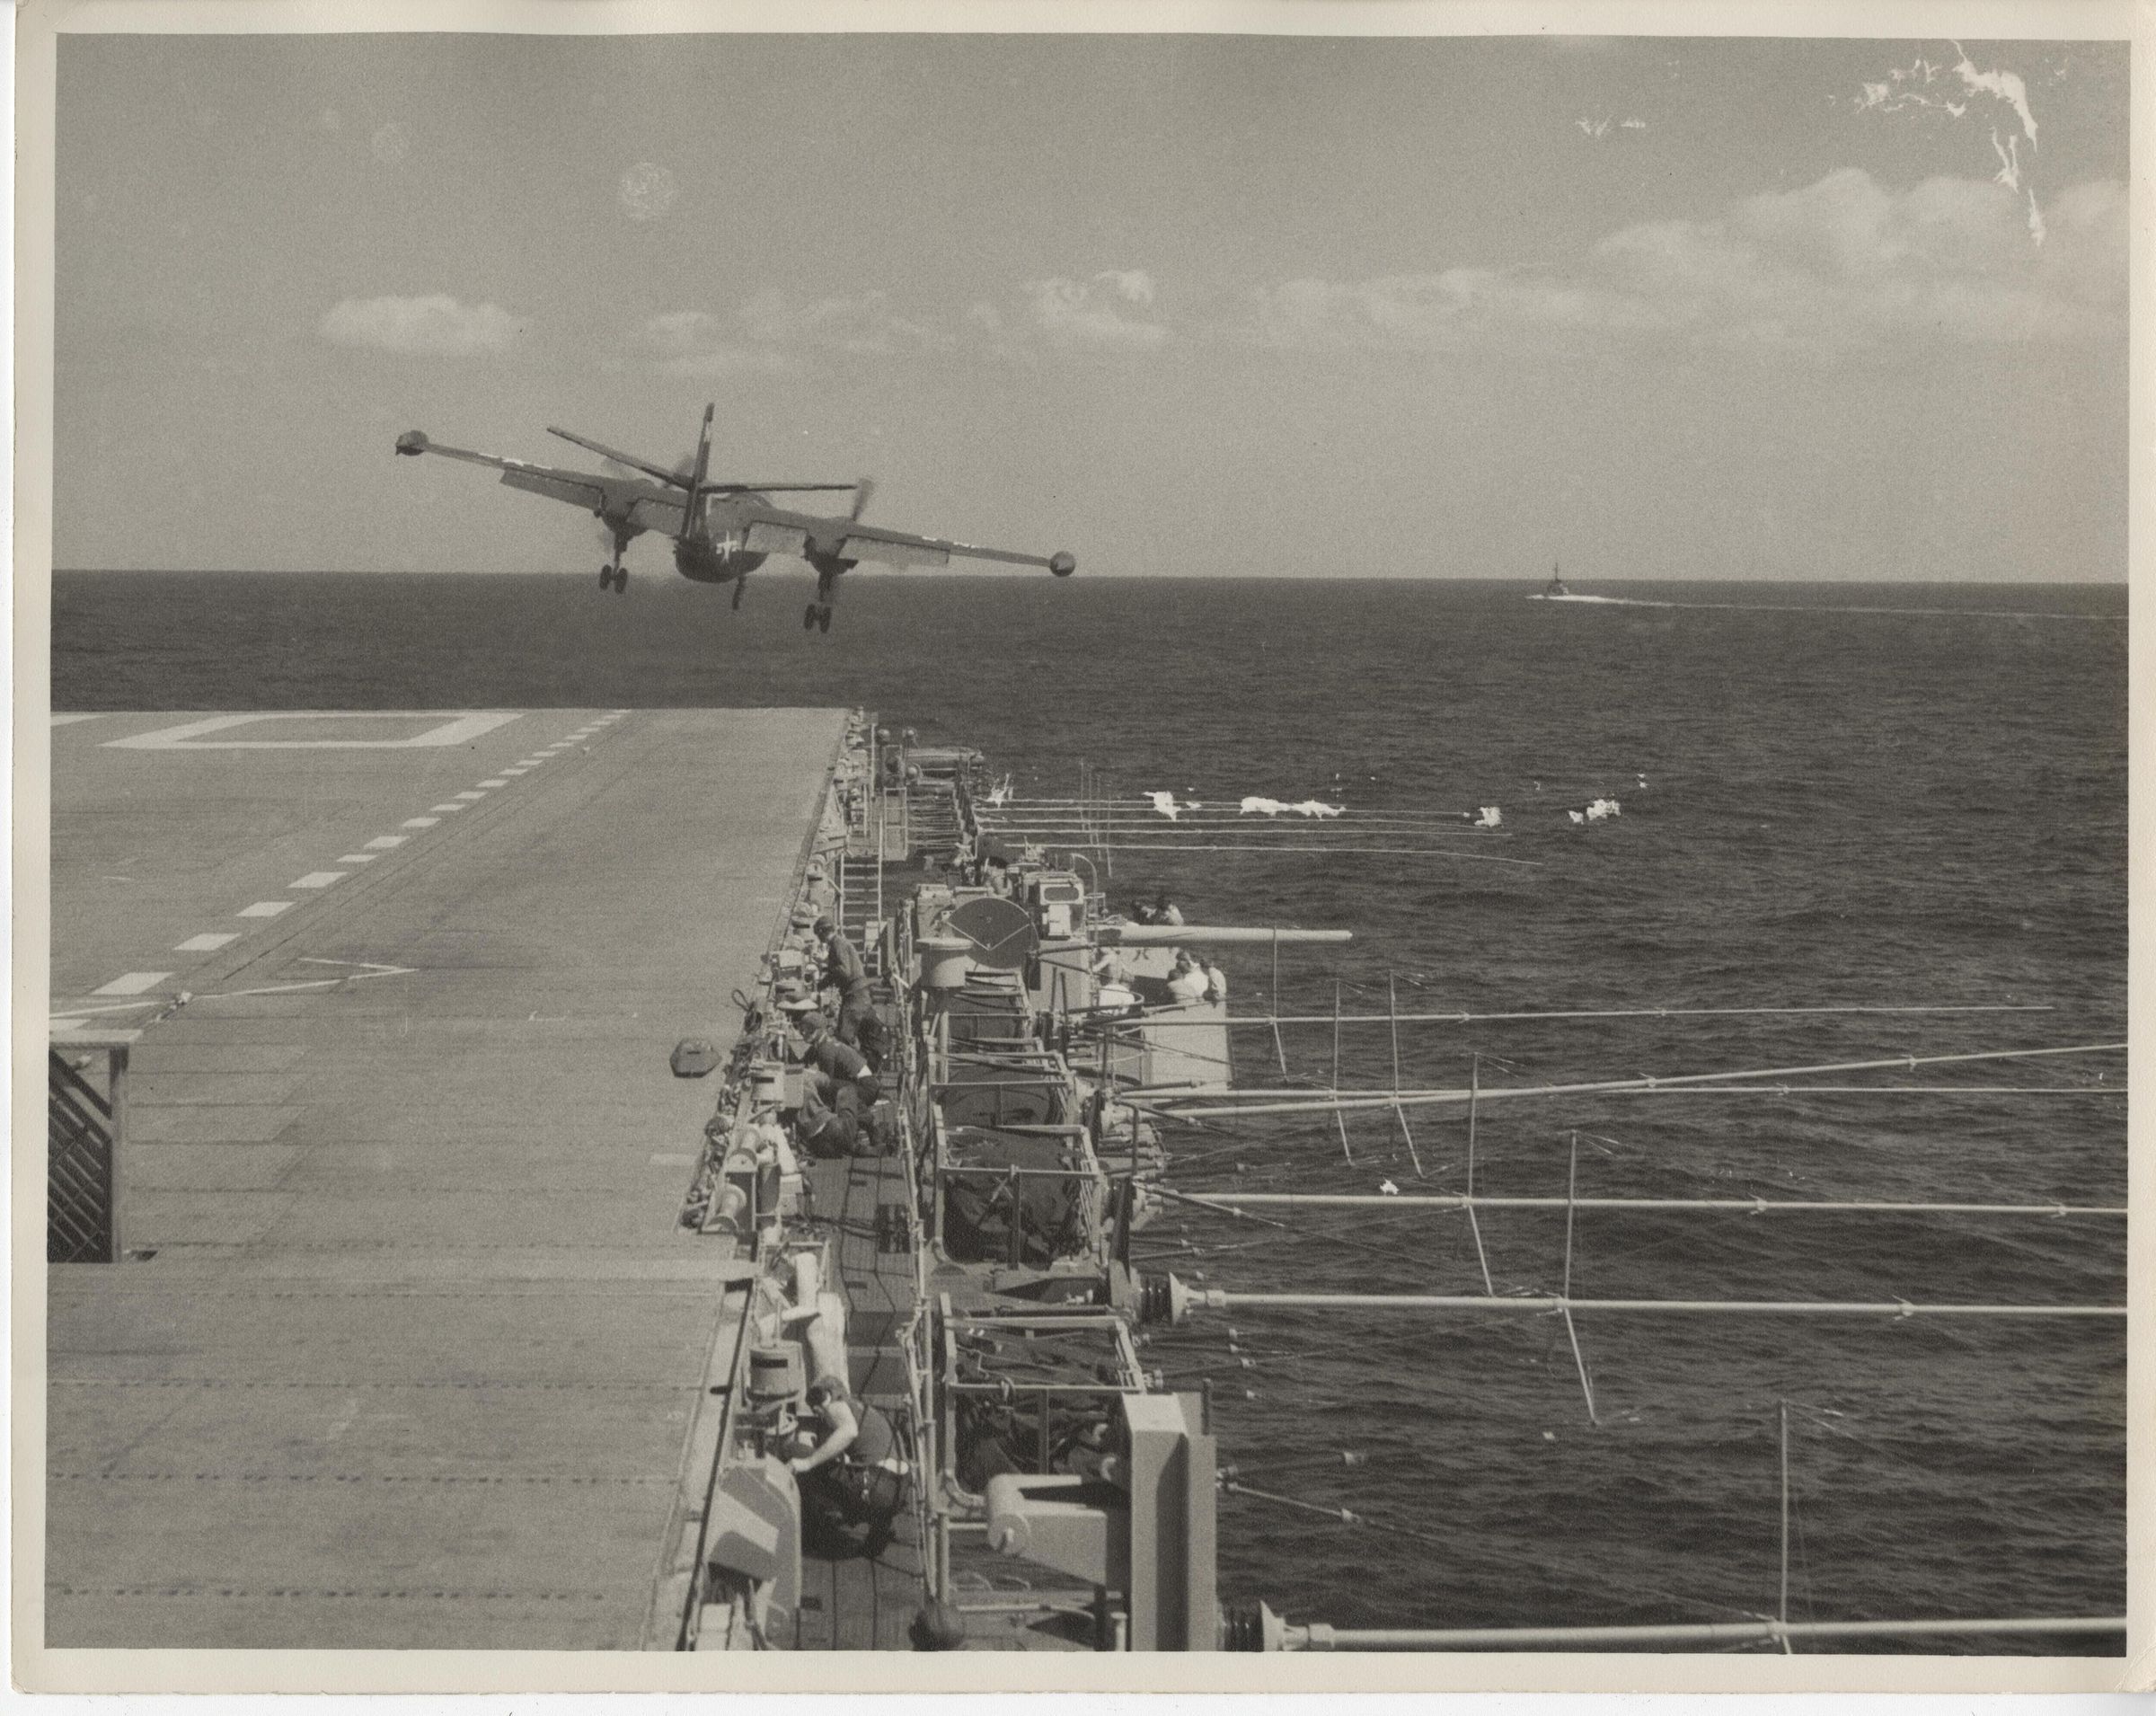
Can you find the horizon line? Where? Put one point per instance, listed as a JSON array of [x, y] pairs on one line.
[[661, 580]]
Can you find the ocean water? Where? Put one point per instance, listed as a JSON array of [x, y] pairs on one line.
[[1820, 806]]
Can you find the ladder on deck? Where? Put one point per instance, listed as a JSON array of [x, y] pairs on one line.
[[860, 908]]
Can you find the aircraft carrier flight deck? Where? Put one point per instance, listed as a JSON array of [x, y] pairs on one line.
[[408, 1342]]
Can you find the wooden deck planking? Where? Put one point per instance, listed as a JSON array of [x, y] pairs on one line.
[[849, 1603]]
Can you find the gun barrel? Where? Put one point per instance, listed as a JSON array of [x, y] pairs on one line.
[[1210, 935]]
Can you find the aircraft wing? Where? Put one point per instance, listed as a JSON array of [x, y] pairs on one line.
[[646, 507], [676, 480], [658, 473], [901, 548]]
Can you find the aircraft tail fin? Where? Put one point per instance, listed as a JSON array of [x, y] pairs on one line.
[[699, 471]]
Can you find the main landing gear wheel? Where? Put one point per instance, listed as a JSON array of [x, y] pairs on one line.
[[823, 618], [613, 577], [606, 578], [808, 617]]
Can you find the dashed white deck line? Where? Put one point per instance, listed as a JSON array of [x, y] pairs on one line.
[[57, 1023], [496, 782], [358, 857], [69, 720], [426, 822], [471, 795], [384, 841], [419, 822], [318, 878], [208, 943], [514, 772], [265, 908], [132, 983]]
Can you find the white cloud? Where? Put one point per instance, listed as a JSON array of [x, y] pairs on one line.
[[1841, 265], [764, 333], [1132, 285], [862, 323], [435, 325], [1091, 312], [690, 342]]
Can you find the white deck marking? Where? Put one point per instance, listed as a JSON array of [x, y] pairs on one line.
[[133, 983], [69, 720], [265, 908], [421, 822], [497, 781], [513, 771], [384, 841], [206, 943], [318, 878], [471, 795], [418, 822], [358, 857], [193, 736], [57, 1023]]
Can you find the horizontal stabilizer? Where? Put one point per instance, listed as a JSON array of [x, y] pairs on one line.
[[774, 488], [672, 478]]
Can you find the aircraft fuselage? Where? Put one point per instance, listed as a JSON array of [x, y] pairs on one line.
[[721, 553]]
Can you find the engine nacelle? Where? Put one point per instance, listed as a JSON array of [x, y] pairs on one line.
[[1063, 564]]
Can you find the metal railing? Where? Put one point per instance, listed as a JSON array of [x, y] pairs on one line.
[[85, 1129]]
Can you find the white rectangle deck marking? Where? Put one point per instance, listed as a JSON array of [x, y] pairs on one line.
[[208, 943], [318, 878], [133, 983], [69, 720], [497, 781], [194, 735], [358, 857], [424, 822], [265, 908], [418, 822], [384, 841], [514, 772], [471, 795]]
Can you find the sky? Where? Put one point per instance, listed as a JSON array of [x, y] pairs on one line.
[[1657, 308]]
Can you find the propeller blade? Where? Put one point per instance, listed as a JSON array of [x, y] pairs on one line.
[[863, 490]]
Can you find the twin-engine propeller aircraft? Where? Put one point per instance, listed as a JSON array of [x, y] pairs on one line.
[[724, 531]]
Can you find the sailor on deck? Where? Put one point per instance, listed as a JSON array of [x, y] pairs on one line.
[[824, 1051], [857, 1021], [1186, 982], [855, 1475]]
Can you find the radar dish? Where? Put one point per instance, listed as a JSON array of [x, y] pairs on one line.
[[1000, 932]]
